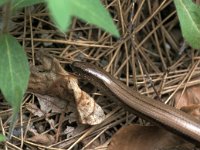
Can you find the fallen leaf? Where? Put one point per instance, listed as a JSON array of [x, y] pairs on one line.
[[72, 117], [89, 111], [70, 131], [190, 96], [56, 88], [44, 139], [193, 110], [45, 109], [53, 104], [34, 110]]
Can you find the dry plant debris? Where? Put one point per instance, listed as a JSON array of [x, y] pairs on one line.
[[45, 139], [188, 97], [51, 79], [150, 56]]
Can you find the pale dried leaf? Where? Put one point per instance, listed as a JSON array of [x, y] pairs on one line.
[[193, 110], [53, 104], [72, 117], [89, 111], [44, 139], [80, 128], [190, 96], [69, 131], [34, 110]]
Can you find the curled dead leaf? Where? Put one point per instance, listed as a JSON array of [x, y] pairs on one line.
[[55, 88], [89, 111]]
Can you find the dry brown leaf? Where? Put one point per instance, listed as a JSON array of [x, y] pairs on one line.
[[44, 139], [136, 137], [55, 87], [72, 117], [190, 96], [193, 110], [53, 104], [46, 108], [50, 79], [34, 110], [89, 111]]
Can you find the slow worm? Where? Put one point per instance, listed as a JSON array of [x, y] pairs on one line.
[[154, 111]]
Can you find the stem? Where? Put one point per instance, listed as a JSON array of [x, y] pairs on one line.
[[6, 16]]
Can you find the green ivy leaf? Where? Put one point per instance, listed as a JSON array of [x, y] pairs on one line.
[[2, 138], [189, 17], [91, 11], [14, 72], [24, 3]]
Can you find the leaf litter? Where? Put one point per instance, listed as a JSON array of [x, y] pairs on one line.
[[154, 50]]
